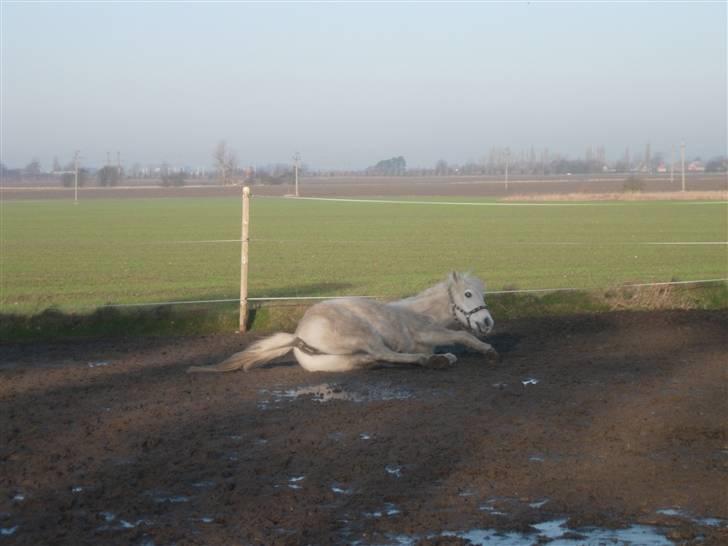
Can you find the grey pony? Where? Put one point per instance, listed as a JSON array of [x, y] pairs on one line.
[[353, 333]]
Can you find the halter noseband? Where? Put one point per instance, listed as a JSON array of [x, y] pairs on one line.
[[454, 307]]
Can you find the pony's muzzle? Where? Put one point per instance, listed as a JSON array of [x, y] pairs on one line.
[[486, 326]]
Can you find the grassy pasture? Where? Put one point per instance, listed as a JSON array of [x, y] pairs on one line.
[[139, 250]]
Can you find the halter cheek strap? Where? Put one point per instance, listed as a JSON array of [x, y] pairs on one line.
[[455, 308]]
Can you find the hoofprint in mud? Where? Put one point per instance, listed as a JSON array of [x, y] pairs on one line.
[[354, 333]]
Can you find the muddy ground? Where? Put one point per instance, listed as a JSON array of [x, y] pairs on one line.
[[612, 421]]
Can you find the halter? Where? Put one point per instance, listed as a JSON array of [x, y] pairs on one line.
[[454, 307]]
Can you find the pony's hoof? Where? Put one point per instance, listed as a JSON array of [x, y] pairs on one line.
[[441, 362], [492, 356]]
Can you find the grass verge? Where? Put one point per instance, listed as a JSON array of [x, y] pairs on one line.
[[199, 319]]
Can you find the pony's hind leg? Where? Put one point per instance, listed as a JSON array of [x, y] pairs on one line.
[[332, 363]]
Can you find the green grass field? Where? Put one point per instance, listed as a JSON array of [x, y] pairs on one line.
[[133, 250]]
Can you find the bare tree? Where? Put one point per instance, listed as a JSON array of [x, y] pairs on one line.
[[226, 163]]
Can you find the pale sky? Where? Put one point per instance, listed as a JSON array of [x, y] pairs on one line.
[[349, 84]]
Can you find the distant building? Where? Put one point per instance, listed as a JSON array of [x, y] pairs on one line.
[[696, 166]]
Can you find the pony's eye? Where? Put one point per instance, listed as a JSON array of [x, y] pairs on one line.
[[468, 294]]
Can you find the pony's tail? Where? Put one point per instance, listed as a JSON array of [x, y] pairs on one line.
[[257, 354]]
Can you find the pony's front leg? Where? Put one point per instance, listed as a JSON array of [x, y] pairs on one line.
[[456, 337], [380, 354]]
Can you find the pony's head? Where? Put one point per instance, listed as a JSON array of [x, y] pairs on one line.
[[467, 302]]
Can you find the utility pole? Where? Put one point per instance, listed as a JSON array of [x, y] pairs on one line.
[[672, 165], [682, 160], [508, 156], [75, 186], [296, 163], [118, 165]]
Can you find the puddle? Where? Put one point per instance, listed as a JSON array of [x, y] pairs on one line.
[[76, 489], [207, 520], [389, 510], [538, 503], [341, 489], [365, 436], [162, 496], [394, 470], [19, 497], [530, 381], [537, 458], [119, 525], [204, 484], [8, 531], [684, 514], [554, 533], [327, 392], [174, 500], [99, 363]]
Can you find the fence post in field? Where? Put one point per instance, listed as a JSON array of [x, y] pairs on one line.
[[244, 261]]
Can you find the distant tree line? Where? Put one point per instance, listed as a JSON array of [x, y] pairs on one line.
[[396, 166]]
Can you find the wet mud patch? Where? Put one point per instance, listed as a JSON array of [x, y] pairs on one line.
[[611, 432]]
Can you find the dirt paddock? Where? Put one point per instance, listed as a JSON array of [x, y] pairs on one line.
[[613, 422]]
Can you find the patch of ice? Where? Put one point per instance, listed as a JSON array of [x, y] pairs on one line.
[[394, 470], [235, 437], [670, 512], [19, 497], [531, 381], [491, 510], [391, 509], [207, 519], [538, 504], [76, 489], [204, 484], [536, 458], [108, 516], [364, 436], [296, 478], [99, 363], [341, 490]]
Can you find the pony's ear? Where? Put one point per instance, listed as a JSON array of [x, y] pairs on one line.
[[454, 277]]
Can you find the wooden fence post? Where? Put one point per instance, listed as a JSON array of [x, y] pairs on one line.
[[244, 261]]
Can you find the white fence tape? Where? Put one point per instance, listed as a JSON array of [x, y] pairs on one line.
[[319, 298]]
